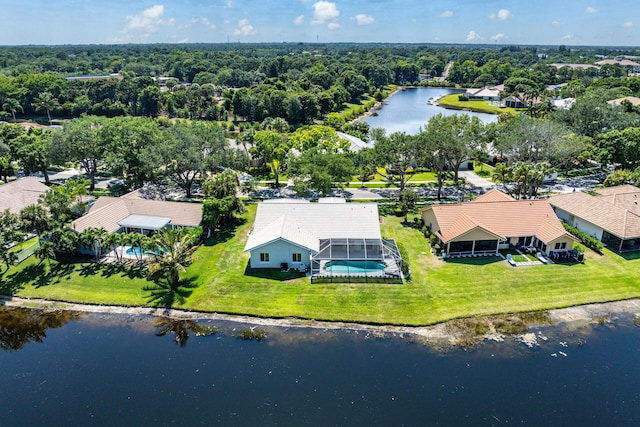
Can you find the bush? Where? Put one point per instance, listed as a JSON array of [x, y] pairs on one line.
[[463, 98], [590, 242], [405, 258]]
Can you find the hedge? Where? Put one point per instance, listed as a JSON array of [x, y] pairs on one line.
[[590, 242]]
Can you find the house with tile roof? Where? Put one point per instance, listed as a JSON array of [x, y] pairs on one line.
[[634, 100], [487, 93], [126, 214], [612, 215], [496, 221], [17, 195], [328, 238]]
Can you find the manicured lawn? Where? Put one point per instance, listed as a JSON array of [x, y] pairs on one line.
[[452, 101], [218, 280]]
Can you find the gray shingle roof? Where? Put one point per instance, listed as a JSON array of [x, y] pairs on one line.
[[304, 224]]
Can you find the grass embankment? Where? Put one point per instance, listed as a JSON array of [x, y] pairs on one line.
[[218, 280], [452, 101]]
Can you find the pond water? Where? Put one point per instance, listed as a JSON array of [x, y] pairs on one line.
[[127, 370], [409, 110]]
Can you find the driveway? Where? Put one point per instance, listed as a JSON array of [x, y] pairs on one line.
[[474, 180]]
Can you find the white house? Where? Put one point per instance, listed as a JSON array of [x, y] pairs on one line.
[[328, 239]]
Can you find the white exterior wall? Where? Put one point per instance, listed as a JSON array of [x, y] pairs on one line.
[[279, 251], [579, 223]]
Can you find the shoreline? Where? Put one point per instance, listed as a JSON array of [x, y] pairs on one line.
[[378, 105], [439, 331]]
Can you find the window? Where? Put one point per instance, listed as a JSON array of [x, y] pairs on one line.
[[264, 257], [296, 257], [562, 245]]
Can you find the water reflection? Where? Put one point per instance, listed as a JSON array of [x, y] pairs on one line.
[[20, 326], [180, 328]]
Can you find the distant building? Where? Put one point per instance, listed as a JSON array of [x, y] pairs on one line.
[[634, 100], [634, 66], [21, 193], [85, 78]]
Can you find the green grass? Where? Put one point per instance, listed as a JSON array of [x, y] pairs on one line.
[[452, 101], [218, 280], [24, 244]]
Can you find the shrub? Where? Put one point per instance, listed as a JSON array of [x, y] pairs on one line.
[[588, 241], [405, 258], [463, 98]]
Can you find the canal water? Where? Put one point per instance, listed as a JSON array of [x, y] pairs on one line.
[[110, 370], [410, 109]]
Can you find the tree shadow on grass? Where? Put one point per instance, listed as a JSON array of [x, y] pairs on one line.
[[110, 269], [272, 273], [161, 293], [36, 275], [484, 260], [227, 232]]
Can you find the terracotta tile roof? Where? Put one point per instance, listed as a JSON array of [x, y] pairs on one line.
[[18, 194], [505, 218], [108, 211], [493, 195], [614, 209]]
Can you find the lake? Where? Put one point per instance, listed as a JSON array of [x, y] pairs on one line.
[[64, 369], [408, 110]]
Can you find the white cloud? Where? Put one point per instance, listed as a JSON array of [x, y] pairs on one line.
[[324, 12], [498, 36], [204, 21], [555, 24], [473, 36], [333, 26], [591, 10], [446, 14], [628, 24], [363, 19], [244, 28], [569, 37], [229, 4], [147, 21], [502, 15], [299, 20]]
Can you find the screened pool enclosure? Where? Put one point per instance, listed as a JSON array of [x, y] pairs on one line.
[[357, 258]]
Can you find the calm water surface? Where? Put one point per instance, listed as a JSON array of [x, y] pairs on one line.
[[116, 370], [408, 110]]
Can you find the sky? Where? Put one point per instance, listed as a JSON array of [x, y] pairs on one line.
[[541, 22]]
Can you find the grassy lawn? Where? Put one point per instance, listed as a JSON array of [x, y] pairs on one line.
[[219, 280], [452, 101], [23, 245]]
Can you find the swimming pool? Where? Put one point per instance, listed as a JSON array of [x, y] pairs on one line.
[[138, 252], [350, 267]]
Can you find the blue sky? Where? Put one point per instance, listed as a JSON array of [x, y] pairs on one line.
[[553, 22]]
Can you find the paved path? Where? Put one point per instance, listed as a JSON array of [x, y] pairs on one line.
[[475, 180]]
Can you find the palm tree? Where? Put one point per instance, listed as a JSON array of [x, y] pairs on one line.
[[46, 251], [501, 173], [175, 248], [45, 101], [13, 105], [94, 238]]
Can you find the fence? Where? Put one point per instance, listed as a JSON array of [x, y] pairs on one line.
[[27, 252]]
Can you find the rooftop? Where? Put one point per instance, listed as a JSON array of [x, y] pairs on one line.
[[498, 214], [18, 194], [305, 224], [614, 209]]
